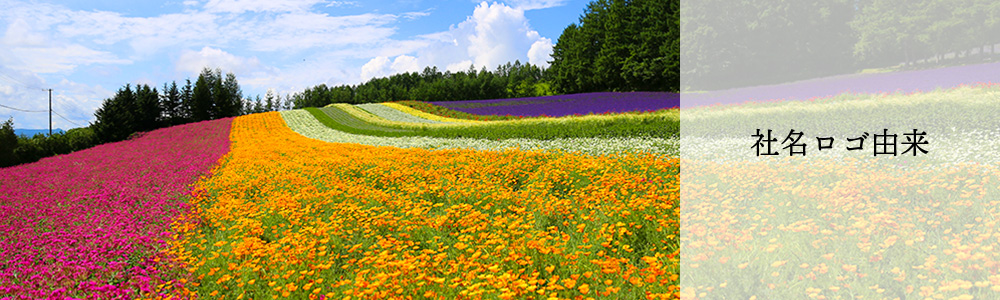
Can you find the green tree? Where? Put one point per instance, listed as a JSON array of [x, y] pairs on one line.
[[572, 61], [171, 105], [8, 142], [148, 112], [228, 96], [187, 102], [202, 100], [115, 119]]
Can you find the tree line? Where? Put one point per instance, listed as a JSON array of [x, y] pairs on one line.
[[510, 80], [752, 42], [142, 108], [619, 45]]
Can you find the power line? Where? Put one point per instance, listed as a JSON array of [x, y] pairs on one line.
[[11, 78], [23, 110], [67, 120]]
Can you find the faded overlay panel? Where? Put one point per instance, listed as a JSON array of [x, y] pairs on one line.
[[840, 149]]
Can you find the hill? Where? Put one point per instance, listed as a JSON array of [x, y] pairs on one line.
[[33, 132]]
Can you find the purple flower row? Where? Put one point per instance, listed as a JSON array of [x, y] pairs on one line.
[[903, 82], [90, 224], [566, 105]]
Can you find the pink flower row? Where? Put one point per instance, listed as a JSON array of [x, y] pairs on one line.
[[90, 223]]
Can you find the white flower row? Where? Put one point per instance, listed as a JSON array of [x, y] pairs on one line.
[[393, 114], [304, 123]]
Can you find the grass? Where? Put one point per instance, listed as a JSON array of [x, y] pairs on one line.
[[451, 113]]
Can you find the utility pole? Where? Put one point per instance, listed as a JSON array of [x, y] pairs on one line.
[[50, 112]]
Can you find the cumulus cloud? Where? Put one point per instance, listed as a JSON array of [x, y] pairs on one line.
[[375, 67], [239, 6], [381, 66], [535, 4], [192, 62], [27, 49], [493, 35], [540, 52]]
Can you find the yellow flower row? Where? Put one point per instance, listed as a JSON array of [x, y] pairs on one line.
[[452, 122]]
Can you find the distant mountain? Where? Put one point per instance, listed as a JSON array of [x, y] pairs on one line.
[[33, 132]]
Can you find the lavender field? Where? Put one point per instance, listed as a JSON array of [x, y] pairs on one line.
[[903, 82], [568, 105]]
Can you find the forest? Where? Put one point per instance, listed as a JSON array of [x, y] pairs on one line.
[[730, 44]]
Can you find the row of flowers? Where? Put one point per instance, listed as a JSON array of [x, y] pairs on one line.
[[90, 224], [307, 125]]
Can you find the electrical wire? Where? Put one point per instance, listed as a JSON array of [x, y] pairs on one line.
[[23, 110], [67, 120]]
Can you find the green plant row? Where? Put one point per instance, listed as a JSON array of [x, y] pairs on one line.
[[451, 113], [660, 124], [851, 115]]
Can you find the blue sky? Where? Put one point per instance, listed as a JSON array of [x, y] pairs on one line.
[[87, 50]]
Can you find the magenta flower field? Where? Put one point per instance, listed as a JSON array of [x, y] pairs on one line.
[[90, 224]]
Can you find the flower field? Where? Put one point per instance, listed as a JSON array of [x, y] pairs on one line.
[[306, 124], [351, 119], [352, 202], [842, 224], [91, 223], [288, 216]]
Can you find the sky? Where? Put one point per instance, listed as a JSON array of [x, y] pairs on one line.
[[86, 50]]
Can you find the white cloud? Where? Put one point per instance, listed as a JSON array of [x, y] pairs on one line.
[[327, 68], [495, 34], [459, 66], [375, 67], [19, 33], [534, 4], [193, 62], [540, 52], [341, 3], [30, 50], [73, 100], [239, 6], [405, 64], [381, 66]]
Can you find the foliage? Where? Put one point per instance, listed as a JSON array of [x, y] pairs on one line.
[[754, 42], [889, 30], [145, 109], [8, 142], [620, 46], [116, 118], [508, 80]]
